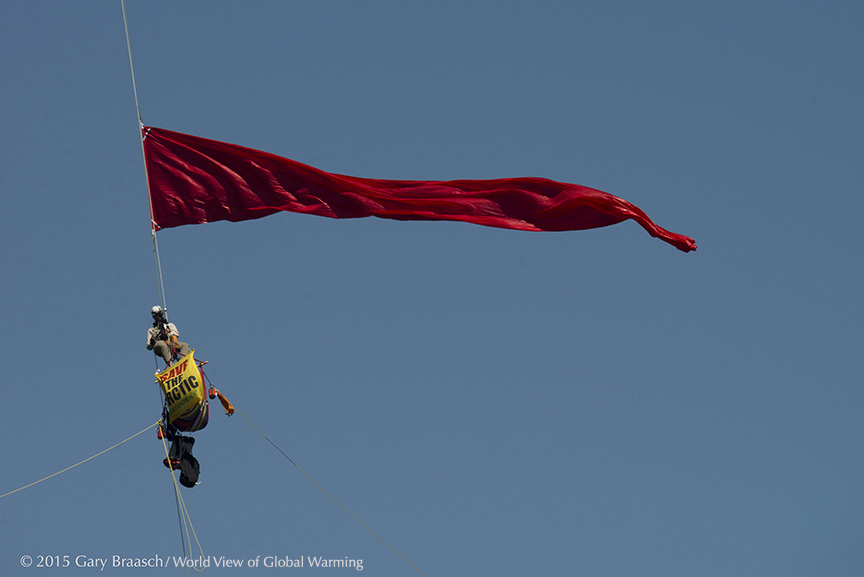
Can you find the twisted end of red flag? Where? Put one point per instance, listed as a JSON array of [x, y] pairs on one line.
[[679, 241], [684, 243]]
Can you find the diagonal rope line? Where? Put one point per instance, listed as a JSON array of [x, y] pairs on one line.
[[80, 462], [334, 499]]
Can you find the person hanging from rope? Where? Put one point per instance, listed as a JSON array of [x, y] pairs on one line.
[[162, 337]]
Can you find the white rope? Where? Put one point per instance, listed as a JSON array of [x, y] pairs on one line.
[[334, 499], [132, 68], [160, 285], [80, 462]]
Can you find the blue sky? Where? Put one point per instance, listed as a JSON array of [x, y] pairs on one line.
[[489, 402]]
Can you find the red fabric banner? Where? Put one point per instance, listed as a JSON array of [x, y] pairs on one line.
[[195, 180]]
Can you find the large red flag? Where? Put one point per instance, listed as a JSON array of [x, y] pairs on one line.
[[195, 180]]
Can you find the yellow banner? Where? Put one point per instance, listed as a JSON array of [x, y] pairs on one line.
[[183, 387]]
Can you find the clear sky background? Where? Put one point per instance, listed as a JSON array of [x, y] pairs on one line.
[[490, 402]]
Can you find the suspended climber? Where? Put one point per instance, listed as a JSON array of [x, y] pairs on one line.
[[162, 337], [184, 386]]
